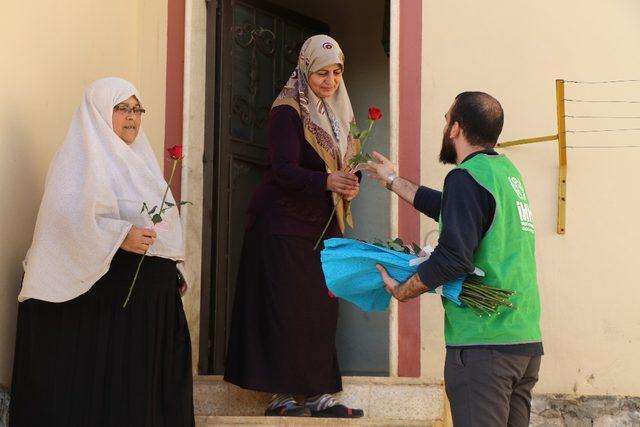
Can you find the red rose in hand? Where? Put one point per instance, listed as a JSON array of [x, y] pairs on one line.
[[175, 152], [375, 113]]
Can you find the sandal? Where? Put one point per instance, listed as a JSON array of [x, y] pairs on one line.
[[338, 411], [288, 410]]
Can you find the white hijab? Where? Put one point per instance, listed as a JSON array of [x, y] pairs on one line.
[[94, 192]]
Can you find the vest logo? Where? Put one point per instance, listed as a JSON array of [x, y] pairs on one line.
[[526, 216], [524, 211], [518, 188]]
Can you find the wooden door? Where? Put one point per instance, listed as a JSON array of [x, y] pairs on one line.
[[256, 48]]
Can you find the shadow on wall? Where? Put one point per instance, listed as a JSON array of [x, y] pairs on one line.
[[21, 191]]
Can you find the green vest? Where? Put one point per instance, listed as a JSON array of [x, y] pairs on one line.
[[506, 254]]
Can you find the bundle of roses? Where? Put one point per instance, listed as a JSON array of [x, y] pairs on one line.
[[480, 297]]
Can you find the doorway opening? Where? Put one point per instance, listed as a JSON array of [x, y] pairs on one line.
[[252, 49]]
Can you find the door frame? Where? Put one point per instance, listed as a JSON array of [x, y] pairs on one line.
[[209, 160]]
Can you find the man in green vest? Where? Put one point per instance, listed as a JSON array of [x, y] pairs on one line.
[[492, 362]]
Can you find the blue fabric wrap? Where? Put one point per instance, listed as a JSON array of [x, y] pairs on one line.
[[350, 273]]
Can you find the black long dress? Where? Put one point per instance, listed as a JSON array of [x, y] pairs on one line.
[[283, 327], [89, 362]]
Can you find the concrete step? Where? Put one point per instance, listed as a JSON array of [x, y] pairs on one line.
[[383, 399], [211, 421]]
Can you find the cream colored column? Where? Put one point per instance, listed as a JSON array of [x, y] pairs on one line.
[[394, 103], [192, 168]]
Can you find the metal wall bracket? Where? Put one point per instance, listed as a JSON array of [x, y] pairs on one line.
[[561, 137]]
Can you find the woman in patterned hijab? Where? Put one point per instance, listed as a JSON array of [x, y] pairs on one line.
[[325, 112], [283, 328]]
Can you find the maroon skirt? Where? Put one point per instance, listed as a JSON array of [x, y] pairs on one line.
[[283, 327]]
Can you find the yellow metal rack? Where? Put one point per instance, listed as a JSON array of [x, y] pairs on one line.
[[561, 137]]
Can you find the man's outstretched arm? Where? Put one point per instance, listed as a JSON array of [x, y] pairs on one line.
[[424, 199]]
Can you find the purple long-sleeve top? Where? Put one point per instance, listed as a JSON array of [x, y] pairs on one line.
[[292, 197]]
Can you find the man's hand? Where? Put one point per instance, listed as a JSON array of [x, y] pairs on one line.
[[390, 284], [139, 240], [402, 291], [380, 170]]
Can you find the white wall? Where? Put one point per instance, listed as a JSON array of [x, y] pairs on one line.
[[515, 50], [51, 51]]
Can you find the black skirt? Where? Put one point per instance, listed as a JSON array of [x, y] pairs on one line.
[[89, 362], [283, 327]]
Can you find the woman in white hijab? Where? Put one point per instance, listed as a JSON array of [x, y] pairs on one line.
[[81, 359], [283, 328]]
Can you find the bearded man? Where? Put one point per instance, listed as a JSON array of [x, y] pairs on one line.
[[492, 362]]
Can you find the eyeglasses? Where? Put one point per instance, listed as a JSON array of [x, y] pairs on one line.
[[124, 109]]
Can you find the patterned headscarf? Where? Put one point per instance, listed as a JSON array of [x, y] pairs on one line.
[[326, 121]]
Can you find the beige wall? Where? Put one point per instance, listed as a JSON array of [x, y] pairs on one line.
[[51, 50], [588, 279]]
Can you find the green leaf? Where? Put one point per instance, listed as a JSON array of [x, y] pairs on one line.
[[379, 242], [398, 241], [396, 247], [185, 202], [156, 218], [152, 210], [359, 158], [416, 248], [144, 207], [169, 204]]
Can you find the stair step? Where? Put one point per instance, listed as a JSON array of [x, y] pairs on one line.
[[381, 398], [211, 421]]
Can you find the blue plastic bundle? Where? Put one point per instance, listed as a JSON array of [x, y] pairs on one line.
[[350, 272]]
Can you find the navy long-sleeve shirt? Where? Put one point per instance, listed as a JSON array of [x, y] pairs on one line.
[[466, 209]]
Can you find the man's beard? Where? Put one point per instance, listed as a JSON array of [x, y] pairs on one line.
[[448, 154]]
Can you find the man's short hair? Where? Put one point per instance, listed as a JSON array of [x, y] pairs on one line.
[[480, 116]]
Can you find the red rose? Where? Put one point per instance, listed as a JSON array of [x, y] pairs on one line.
[[175, 152], [375, 113]]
